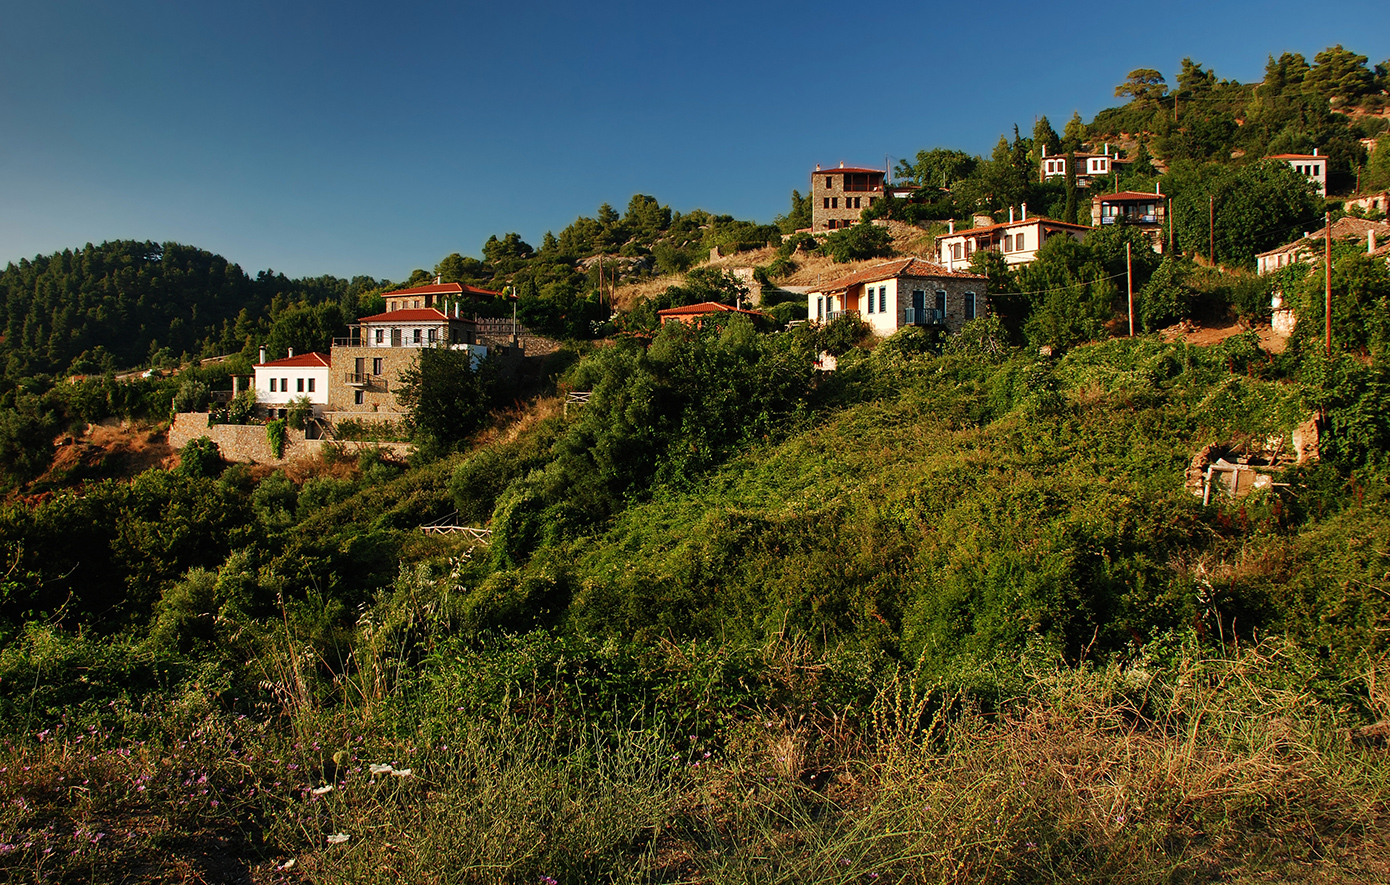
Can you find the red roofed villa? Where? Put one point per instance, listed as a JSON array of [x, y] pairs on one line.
[[1018, 241], [280, 381]]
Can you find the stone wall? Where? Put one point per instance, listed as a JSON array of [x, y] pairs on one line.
[[247, 443]]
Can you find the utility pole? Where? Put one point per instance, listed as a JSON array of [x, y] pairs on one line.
[[1327, 263], [1211, 229], [1129, 287], [1168, 217]]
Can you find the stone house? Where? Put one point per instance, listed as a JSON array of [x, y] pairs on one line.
[[906, 292]]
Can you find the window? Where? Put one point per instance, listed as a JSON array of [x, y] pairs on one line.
[[415, 336], [820, 307], [970, 305], [882, 299], [1008, 242], [955, 251], [376, 365], [272, 385], [359, 397], [869, 297], [856, 201], [311, 385], [940, 304], [433, 335], [380, 336], [299, 385], [827, 181], [284, 385], [827, 203], [834, 202]]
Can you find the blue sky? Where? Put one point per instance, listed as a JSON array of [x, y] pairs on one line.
[[346, 139]]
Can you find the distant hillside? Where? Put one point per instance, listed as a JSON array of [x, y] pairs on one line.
[[124, 303]]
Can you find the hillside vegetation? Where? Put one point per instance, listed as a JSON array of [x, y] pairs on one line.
[[951, 613]]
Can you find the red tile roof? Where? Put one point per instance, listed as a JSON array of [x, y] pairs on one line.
[[703, 308], [1297, 157], [444, 289], [1131, 195], [1035, 219], [906, 267], [301, 361], [1346, 227], [412, 315]]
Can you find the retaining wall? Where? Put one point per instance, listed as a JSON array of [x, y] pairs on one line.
[[247, 443]]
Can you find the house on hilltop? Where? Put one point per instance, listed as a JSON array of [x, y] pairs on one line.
[[368, 364], [1088, 166], [906, 292], [840, 194], [1018, 241], [1309, 248], [1147, 212]]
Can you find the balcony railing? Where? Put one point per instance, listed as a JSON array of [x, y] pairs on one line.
[[924, 316], [365, 379], [836, 314]]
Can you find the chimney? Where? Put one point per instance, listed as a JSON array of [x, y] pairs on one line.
[[290, 354], [262, 359], [438, 278], [1025, 212], [1158, 188], [1011, 215], [817, 167], [951, 225], [1044, 147], [1370, 241], [842, 164], [1107, 148], [1315, 152]]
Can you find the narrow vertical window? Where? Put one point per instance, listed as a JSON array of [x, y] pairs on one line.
[[869, 297], [272, 385], [970, 305], [311, 385], [299, 385], [882, 299]]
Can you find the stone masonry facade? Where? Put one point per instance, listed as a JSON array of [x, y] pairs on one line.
[[247, 443]]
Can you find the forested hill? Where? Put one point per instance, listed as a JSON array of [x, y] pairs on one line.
[[127, 303]]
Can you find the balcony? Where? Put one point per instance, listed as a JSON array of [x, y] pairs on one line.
[[928, 316], [836, 314], [365, 380]]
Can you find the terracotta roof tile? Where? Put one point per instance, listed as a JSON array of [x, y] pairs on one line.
[[303, 360], [703, 308], [443, 289], [905, 267], [1035, 219], [412, 315]]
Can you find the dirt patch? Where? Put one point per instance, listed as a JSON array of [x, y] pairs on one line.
[[1207, 334], [107, 451]]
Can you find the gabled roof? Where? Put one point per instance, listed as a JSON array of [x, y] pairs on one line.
[[704, 308], [410, 315], [1346, 227], [1035, 219], [1297, 157], [444, 289], [301, 361], [906, 267], [1129, 195]]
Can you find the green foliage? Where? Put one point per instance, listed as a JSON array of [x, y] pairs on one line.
[[275, 435], [858, 242], [192, 396], [1255, 207], [299, 412], [199, 458], [1165, 299], [240, 408], [446, 398]]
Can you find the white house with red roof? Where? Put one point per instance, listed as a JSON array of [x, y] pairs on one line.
[[906, 292], [1147, 212], [278, 382], [1088, 166], [1017, 240], [1311, 165]]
